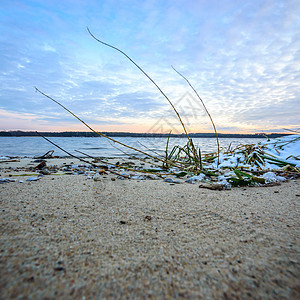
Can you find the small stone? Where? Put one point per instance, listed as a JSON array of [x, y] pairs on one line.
[[2, 180], [33, 179], [148, 218], [45, 172], [168, 180], [41, 165], [97, 177], [30, 279]]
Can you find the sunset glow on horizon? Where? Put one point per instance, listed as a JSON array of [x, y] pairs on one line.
[[241, 56]]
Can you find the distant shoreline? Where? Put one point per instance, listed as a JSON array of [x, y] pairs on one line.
[[131, 134]]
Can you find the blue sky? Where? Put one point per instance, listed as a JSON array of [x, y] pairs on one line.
[[243, 57]]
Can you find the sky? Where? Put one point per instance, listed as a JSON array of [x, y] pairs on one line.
[[242, 57]]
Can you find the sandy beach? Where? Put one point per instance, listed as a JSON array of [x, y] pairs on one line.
[[70, 237]]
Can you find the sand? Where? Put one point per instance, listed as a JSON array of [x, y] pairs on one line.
[[69, 237]]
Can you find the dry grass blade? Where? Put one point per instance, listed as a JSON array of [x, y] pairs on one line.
[[93, 157], [133, 157], [293, 130], [166, 151], [160, 90], [204, 108], [151, 150], [70, 154], [99, 133]]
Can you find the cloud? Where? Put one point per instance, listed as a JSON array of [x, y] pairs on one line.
[[48, 48], [242, 57]]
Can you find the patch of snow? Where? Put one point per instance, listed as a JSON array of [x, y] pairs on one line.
[[272, 177], [193, 179], [285, 148], [225, 183]]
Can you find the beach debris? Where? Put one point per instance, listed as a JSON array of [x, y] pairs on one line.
[[195, 178], [33, 179], [4, 180], [37, 160], [4, 157], [289, 168], [226, 185], [4, 160], [272, 177], [212, 186], [261, 164], [59, 269], [125, 175], [96, 177], [49, 154], [41, 165], [45, 172], [138, 177], [243, 179], [152, 176], [264, 156], [170, 180]]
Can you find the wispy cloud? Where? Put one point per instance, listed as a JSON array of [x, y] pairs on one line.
[[242, 57]]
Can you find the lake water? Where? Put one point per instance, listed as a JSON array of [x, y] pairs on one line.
[[101, 147]]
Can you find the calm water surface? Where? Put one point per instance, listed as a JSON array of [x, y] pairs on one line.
[[101, 147]]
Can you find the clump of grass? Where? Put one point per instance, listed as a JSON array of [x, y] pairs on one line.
[[206, 110]]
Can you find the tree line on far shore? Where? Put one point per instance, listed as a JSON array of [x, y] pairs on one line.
[[134, 134]]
